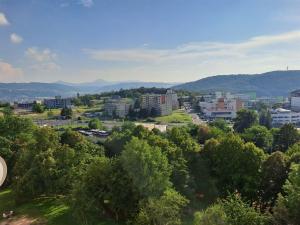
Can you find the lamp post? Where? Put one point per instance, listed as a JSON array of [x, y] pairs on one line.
[[3, 171]]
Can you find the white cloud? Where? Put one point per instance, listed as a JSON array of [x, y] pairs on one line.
[[193, 50], [199, 59], [8, 73], [86, 3], [3, 20], [40, 55], [42, 59], [16, 39]]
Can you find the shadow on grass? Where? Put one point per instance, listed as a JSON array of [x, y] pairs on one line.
[[51, 210]]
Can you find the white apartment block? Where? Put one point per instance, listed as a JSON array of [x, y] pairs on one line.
[[163, 104], [117, 107], [283, 116]]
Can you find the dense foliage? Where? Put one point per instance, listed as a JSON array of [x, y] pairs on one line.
[[142, 177]]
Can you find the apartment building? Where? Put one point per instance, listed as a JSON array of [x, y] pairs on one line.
[[117, 107], [57, 103], [162, 104]]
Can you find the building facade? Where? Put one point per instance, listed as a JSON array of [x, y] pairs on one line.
[[117, 107], [57, 103], [283, 116], [161, 104], [223, 106], [295, 100]]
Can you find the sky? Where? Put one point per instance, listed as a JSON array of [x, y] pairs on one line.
[[145, 40]]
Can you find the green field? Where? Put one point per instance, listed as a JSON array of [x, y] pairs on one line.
[[50, 211], [178, 116]]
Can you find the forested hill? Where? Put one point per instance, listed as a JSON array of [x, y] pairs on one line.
[[26, 91], [276, 83]]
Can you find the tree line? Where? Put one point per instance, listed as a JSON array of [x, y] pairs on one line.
[[216, 174]]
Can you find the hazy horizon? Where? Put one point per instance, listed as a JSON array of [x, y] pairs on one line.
[[154, 41]]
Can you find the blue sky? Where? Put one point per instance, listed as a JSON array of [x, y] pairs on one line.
[[149, 40]]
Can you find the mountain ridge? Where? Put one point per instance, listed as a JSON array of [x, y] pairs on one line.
[[274, 83], [36, 90]]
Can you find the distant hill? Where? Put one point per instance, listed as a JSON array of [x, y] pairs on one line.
[[25, 91], [276, 83], [130, 85], [35, 90]]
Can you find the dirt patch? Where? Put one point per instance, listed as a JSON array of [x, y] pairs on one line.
[[23, 220]]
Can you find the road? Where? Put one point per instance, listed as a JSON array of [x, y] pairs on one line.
[[196, 119]]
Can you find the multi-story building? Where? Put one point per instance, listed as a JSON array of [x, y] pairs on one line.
[[175, 103], [221, 107], [26, 105], [117, 107], [161, 104], [57, 102], [295, 100], [283, 116]]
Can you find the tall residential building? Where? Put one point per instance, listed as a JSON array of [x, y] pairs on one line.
[[57, 102], [162, 104], [117, 107], [175, 103]]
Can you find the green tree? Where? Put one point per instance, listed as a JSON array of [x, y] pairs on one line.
[[115, 143], [245, 118], [274, 174], [265, 119], [221, 124], [43, 167], [235, 165], [260, 136], [239, 212], [286, 137], [71, 138], [104, 189], [287, 209], [67, 113], [231, 211], [147, 166], [16, 128], [38, 108], [181, 137], [204, 132], [8, 111], [294, 153], [95, 124], [163, 210], [214, 215]]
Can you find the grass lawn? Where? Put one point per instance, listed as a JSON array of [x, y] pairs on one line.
[[42, 116], [178, 116], [50, 211]]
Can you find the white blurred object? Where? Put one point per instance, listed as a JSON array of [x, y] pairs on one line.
[[3, 171]]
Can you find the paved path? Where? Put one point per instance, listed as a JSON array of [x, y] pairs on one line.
[[196, 119], [23, 220]]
